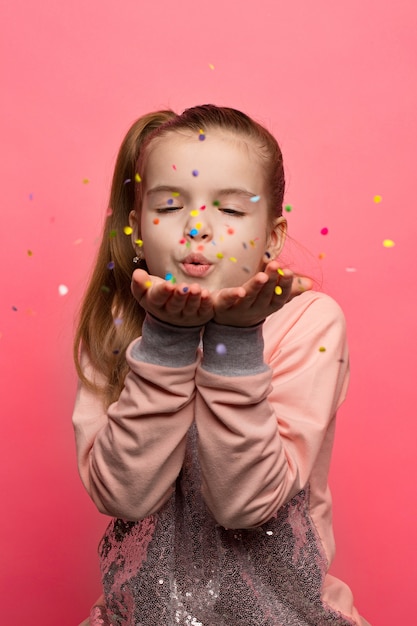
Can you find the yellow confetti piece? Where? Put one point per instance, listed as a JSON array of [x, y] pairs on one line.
[[194, 213], [199, 225], [85, 181], [377, 199], [128, 230], [322, 349], [219, 255], [388, 243], [30, 253], [278, 290], [138, 178], [175, 194], [139, 242], [232, 259], [211, 66], [148, 284], [280, 272]]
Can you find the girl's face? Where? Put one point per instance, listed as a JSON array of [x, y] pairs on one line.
[[204, 215]]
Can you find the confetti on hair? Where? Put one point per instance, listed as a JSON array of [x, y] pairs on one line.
[[194, 213], [388, 243], [322, 349], [128, 230], [138, 178], [118, 321], [128, 180], [112, 234], [377, 199], [278, 290], [29, 253], [63, 290], [288, 208], [195, 172], [156, 221], [324, 231], [115, 351], [255, 198], [221, 348], [220, 255], [85, 181], [139, 242], [280, 272], [111, 265], [105, 289]]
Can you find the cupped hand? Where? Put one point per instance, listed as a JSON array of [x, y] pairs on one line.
[[178, 304], [261, 295]]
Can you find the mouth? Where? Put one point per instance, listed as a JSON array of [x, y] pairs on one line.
[[196, 265]]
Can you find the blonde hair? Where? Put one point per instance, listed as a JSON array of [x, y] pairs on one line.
[[108, 299]]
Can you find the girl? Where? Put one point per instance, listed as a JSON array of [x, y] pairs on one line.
[[205, 413]]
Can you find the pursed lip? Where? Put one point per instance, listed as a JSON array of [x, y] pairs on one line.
[[196, 265]]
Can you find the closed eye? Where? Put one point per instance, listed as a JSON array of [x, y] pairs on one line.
[[232, 212], [168, 209]]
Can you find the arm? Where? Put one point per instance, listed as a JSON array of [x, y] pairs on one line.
[[130, 455], [261, 427]]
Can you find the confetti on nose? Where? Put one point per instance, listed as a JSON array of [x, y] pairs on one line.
[[195, 172], [193, 232], [324, 231], [138, 178], [288, 208], [255, 198], [128, 230], [63, 290], [194, 213], [233, 259], [377, 199], [388, 243], [110, 265], [278, 290], [322, 349], [221, 348]]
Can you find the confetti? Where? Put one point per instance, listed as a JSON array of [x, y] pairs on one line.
[[288, 208], [185, 289], [388, 243], [170, 201], [112, 234], [85, 181], [195, 172], [168, 276], [174, 167], [322, 255], [200, 248], [280, 272], [230, 231], [30, 253], [148, 284], [219, 255], [128, 180], [211, 66], [201, 136], [175, 194], [105, 289], [377, 199], [324, 231], [246, 269], [194, 213], [193, 232], [63, 290], [138, 178], [118, 321], [233, 259], [267, 254], [198, 225], [14, 308], [156, 221], [110, 265], [322, 349], [278, 290], [221, 348], [216, 203], [109, 211], [202, 207], [182, 240], [255, 198], [139, 242], [128, 230]]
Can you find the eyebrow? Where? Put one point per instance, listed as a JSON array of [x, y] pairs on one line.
[[232, 191]]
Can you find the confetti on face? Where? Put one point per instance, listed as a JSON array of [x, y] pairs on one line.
[[255, 198], [185, 289], [288, 208], [219, 255], [168, 276], [324, 231], [221, 349], [201, 136], [322, 349], [182, 241], [377, 199], [230, 231], [194, 213], [233, 259], [195, 172], [202, 207], [174, 167], [85, 181], [110, 265], [246, 269], [200, 248], [278, 290], [216, 203], [128, 230], [156, 221], [388, 243], [175, 194], [170, 201], [63, 290], [138, 178]]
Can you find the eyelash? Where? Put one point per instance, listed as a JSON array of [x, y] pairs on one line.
[[168, 209], [232, 212], [225, 210]]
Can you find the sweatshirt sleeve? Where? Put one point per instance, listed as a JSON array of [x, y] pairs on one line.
[[130, 455], [262, 424]]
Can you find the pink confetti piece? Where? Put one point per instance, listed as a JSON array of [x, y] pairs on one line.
[[324, 231]]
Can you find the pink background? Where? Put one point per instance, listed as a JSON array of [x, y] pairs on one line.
[[336, 83]]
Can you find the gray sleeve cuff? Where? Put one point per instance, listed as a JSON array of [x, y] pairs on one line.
[[232, 350], [165, 344]]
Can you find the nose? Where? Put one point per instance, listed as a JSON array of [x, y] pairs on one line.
[[198, 228]]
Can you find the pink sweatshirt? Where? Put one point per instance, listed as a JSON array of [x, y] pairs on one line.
[[215, 463]]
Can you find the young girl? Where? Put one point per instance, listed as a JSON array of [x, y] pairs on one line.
[[205, 415]]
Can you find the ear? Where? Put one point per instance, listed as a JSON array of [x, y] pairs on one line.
[[277, 236], [135, 236]]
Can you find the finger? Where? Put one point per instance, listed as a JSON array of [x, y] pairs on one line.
[[300, 284]]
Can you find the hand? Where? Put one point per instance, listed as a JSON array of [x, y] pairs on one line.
[[181, 305], [263, 294]]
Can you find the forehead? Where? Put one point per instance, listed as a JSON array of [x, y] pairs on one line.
[[223, 158]]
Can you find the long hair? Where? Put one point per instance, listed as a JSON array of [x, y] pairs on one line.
[[110, 318]]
